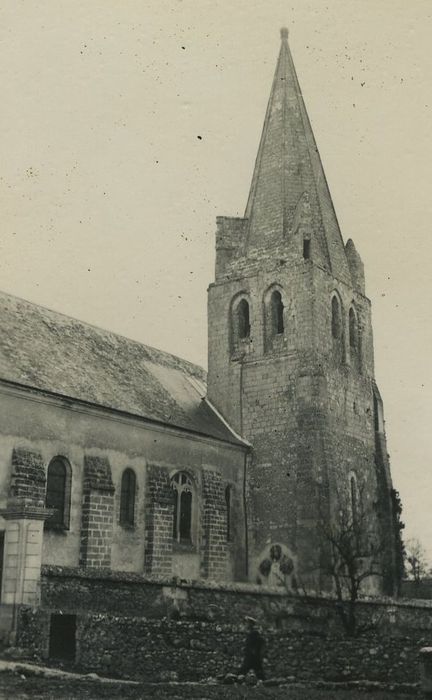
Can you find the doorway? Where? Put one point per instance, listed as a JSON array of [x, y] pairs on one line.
[[62, 637]]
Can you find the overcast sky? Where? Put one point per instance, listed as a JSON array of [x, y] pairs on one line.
[[128, 126]]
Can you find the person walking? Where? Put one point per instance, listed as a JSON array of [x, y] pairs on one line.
[[254, 650]]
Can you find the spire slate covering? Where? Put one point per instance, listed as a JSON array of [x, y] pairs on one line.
[[289, 198]]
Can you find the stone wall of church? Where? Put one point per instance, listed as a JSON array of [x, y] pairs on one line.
[[99, 445]]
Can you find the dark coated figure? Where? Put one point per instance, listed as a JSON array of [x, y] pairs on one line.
[[254, 650]]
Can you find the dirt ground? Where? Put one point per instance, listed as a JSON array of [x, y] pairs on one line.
[[15, 686]]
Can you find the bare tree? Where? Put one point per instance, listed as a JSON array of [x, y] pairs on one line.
[[354, 556], [416, 561]]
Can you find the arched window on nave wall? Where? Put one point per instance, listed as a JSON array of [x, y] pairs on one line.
[[127, 497], [58, 493], [183, 490]]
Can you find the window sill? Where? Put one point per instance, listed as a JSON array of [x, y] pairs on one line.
[[56, 527], [127, 526], [184, 547], [241, 349]]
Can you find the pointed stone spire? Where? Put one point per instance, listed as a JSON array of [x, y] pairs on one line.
[[289, 199]]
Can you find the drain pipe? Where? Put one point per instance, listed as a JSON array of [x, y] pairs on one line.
[[246, 460], [245, 469]]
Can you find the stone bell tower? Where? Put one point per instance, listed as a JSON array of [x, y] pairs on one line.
[[291, 364]]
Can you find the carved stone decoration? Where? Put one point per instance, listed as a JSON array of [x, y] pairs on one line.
[[277, 567]]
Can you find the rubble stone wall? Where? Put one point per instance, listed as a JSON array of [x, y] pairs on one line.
[[151, 649], [137, 628]]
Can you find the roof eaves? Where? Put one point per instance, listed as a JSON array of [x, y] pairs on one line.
[[237, 440]]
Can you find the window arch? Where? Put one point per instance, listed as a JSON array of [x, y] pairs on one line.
[[183, 490], [127, 497], [243, 319], [229, 514], [58, 491], [240, 325], [274, 317], [277, 312], [336, 317]]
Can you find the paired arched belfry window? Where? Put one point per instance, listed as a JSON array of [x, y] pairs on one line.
[[183, 508], [340, 333], [274, 321], [127, 498], [58, 492]]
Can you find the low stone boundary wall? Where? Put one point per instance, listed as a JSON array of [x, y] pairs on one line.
[[127, 594], [139, 628], [130, 647], [417, 589]]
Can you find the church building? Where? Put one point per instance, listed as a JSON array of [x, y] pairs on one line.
[[119, 457]]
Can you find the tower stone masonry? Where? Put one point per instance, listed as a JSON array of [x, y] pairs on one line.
[[291, 364]]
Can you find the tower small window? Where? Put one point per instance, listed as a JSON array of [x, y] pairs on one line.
[[277, 309], [58, 489], [229, 505], [336, 324], [127, 498], [183, 503], [243, 319], [306, 248]]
